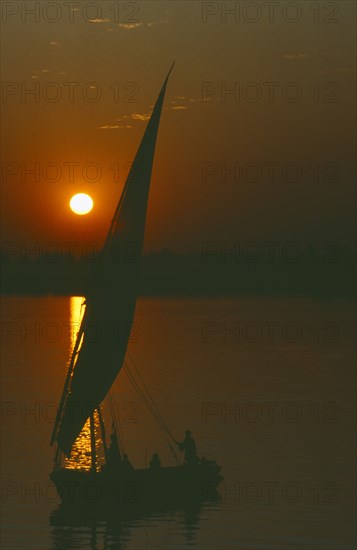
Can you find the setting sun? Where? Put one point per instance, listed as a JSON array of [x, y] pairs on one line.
[[81, 204]]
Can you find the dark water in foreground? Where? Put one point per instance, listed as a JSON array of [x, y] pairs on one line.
[[267, 386]]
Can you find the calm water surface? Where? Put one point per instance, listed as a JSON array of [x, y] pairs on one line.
[[266, 386]]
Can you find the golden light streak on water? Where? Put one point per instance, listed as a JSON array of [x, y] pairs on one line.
[[76, 313], [80, 458]]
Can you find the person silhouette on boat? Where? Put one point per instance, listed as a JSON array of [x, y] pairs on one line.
[[155, 462], [114, 457], [188, 445], [126, 464]]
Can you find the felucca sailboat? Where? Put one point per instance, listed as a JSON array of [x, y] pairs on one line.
[[96, 362]]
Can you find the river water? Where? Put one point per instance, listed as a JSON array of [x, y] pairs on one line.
[[266, 385]]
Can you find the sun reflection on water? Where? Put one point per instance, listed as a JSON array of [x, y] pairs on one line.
[[76, 313], [80, 458]]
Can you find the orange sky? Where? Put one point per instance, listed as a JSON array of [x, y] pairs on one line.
[[196, 137]]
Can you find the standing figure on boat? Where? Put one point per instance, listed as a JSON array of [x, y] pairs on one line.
[[114, 457], [188, 445]]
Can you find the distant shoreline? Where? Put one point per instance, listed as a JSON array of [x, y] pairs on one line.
[[179, 275], [349, 294]]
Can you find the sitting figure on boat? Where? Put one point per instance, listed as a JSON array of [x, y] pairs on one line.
[[115, 460], [188, 445], [155, 462], [126, 464]]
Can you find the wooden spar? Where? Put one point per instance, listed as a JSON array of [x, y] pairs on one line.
[[92, 445], [121, 200], [68, 379], [102, 427], [58, 458]]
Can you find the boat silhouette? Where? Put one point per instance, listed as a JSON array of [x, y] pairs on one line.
[[95, 364]]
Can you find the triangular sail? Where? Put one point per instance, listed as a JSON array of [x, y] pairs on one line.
[[110, 308]]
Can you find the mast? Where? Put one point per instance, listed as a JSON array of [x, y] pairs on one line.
[[92, 445], [131, 176], [102, 427]]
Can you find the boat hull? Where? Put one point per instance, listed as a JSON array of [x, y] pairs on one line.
[[137, 488]]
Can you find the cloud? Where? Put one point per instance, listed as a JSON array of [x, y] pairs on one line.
[[154, 23], [296, 56], [38, 72], [126, 121], [102, 20], [181, 103], [137, 116], [114, 126], [109, 127], [54, 43], [130, 26], [138, 25]]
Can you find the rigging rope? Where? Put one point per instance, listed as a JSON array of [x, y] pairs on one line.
[[143, 397], [151, 406], [151, 410], [151, 399], [116, 422]]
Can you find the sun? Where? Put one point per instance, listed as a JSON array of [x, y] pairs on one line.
[[81, 204]]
